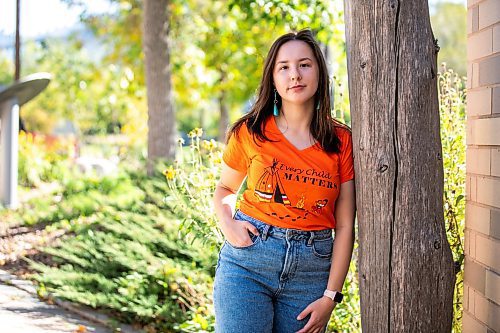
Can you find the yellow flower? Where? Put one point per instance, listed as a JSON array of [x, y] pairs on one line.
[[209, 145], [197, 132], [169, 173]]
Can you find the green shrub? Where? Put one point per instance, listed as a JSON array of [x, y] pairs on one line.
[[452, 110], [124, 254], [191, 181], [42, 159]]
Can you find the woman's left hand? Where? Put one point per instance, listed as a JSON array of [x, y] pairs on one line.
[[320, 311]]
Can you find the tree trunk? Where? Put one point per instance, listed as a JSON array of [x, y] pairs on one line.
[[17, 57], [17, 60], [406, 269], [161, 121], [224, 117]]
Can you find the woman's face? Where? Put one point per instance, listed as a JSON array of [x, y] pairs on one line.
[[296, 73]]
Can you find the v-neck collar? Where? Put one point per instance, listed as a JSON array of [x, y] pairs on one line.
[[278, 132]]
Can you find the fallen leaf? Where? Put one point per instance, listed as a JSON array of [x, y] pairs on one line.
[[81, 329]]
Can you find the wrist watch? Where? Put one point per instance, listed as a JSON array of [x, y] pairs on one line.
[[334, 295]]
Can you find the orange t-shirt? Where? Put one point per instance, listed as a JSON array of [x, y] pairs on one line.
[[288, 187]]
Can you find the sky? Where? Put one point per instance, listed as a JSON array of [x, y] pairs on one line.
[[42, 17]]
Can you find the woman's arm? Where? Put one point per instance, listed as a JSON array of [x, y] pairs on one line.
[[345, 210], [224, 202]]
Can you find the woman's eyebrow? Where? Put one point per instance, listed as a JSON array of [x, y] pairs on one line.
[[285, 61]]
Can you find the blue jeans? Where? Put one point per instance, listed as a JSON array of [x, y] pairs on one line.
[[263, 287]]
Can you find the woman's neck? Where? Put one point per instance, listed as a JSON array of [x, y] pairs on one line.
[[295, 117]]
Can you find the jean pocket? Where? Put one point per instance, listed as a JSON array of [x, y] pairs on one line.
[[254, 238], [323, 248]]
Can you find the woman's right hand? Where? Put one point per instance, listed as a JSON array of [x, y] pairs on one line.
[[236, 232]]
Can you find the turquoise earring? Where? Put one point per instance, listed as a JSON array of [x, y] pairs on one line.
[[276, 111]]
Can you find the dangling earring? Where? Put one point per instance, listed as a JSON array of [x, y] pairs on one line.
[[276, 111], [318, 106]]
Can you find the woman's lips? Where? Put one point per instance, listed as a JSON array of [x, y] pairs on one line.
[[296, 88]]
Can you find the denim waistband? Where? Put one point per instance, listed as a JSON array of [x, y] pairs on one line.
[[279, 232]]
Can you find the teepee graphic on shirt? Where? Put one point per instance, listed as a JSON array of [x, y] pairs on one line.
[[269, 187]]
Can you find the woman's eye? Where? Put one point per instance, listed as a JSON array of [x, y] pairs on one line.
[[305, 65], [283, 67]]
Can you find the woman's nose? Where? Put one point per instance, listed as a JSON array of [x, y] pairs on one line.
[[295, 74]]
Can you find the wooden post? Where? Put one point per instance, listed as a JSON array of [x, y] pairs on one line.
[[406, 268]]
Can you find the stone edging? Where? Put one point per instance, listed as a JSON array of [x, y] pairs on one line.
[[94, 316]]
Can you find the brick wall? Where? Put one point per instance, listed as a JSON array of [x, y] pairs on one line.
[[482, 220]]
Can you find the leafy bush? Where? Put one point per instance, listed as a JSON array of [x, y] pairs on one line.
[[123, 254], [81, 196], [148, 280], [43, 159], [192, 180], [452, 109]]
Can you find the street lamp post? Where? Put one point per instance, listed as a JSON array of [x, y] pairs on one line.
[[11, 98]]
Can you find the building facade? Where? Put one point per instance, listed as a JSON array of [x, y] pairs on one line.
[[482, 222]]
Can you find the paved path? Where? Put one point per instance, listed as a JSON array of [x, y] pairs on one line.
[[21, 312]]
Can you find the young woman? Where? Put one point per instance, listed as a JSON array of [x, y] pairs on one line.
[[280, 269]]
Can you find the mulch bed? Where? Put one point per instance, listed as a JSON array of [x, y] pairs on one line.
[[17, 243]]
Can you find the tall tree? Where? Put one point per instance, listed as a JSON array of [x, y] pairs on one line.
[[17, 55], [405, 263], [161, 121]]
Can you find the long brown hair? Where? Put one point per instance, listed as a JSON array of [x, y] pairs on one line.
[[322, 125]]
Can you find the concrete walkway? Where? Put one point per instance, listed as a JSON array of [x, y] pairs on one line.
[[21, 311]]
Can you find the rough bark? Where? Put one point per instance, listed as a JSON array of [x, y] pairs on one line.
[[161, 121], [406, 269]]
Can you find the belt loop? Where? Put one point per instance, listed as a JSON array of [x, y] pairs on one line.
[[311, 238], [265, 232]]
